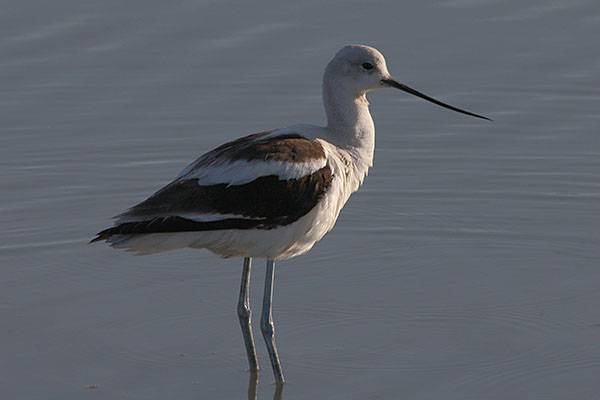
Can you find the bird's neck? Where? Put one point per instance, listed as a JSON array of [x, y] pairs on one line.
[[349, 121]]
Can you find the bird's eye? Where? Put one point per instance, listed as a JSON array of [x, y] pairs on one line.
[[367, 66]]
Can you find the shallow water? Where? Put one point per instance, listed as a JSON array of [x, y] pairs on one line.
[[466, 267]]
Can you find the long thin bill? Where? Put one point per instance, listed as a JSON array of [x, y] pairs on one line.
[[402, 86]]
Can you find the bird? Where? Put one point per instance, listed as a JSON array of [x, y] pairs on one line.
[[270, 195]]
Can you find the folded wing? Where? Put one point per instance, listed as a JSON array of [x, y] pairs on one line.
[[261, 181]]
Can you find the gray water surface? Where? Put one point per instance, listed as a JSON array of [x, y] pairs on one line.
[[465, 268]]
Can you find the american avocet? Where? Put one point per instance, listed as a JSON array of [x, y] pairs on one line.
[[273, 194]]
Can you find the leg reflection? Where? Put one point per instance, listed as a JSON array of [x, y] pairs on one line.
[[253, 387], [278, 392], [252, 384]]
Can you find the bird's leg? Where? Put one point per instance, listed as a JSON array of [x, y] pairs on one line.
[[245, 315], [266, 323]]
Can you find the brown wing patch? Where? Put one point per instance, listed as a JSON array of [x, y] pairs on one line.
[[287, 147]]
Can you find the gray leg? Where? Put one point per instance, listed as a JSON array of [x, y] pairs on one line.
[[245, 315], [266, 323]]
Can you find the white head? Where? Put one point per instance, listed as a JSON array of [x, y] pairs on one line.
[[357, 69]]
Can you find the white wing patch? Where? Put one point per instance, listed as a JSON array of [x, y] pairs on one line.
[[240, 172]]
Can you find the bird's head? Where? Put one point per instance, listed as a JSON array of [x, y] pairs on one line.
[[358, 69]]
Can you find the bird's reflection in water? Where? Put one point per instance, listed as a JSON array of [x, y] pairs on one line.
[[253, 386]]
